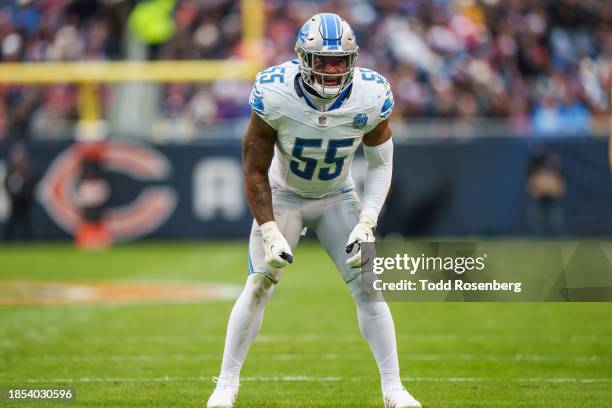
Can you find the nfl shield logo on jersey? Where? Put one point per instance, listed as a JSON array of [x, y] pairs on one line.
[[360, 120], [322, 120]]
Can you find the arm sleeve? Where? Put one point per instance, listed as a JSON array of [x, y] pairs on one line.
[[377, 178]]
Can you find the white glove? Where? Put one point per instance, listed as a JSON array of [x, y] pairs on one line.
[[276, 247], [361, 233]]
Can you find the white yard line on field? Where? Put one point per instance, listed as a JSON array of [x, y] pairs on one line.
[[306, 378], [315, 337], [94, 358]]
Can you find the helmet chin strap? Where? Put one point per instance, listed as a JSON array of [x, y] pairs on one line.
[[321, 102], [318, 90], [313, 91]]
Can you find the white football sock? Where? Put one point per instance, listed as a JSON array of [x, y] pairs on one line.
[[244, 324], [376, 324]]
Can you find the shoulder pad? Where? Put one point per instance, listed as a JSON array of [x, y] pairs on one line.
[[270, 87], [378, 91]]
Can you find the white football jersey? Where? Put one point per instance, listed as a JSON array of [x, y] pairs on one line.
[[314, 149]]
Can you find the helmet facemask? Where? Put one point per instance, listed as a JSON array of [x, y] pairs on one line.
[[327, 85]]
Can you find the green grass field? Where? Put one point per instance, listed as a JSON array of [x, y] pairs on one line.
[[310, 352]]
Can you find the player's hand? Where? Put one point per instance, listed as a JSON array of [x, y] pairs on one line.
[[276, 247], [363, 232]]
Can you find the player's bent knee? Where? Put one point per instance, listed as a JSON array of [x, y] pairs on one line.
[[259, 288], [363, 292], [272, 274], [262, 280]]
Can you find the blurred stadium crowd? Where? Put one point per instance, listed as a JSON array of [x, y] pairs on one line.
[[540, 66]]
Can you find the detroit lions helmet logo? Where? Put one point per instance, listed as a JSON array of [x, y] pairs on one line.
[[304, 32], [360, 120]]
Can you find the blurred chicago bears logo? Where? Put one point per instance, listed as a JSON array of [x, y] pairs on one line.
[[63, 193]]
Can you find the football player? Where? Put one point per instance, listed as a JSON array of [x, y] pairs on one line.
[[308, 117]]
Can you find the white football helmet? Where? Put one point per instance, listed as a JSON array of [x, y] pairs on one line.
[[326, 35]]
